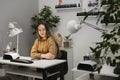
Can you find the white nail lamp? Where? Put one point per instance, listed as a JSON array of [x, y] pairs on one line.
[[74, 27], [14, 31]]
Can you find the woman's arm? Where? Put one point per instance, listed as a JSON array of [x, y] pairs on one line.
[[52, 49], [48, 56], [34, 52]]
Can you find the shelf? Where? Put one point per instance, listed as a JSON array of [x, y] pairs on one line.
[[111, 21], [88, 13], [67, 6]]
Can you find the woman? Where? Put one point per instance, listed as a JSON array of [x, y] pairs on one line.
[[45, 45]]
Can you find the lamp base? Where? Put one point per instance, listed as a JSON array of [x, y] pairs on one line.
[[11, 55]]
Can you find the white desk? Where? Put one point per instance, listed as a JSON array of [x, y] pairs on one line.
[[105, 71], [30, 69]]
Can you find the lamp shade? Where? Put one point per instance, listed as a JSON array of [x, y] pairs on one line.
[[73, 26], [13, 30]]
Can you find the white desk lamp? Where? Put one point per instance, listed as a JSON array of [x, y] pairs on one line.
[[73, 26], [13, 32]]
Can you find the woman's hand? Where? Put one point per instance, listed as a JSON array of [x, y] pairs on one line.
[[48, 56]]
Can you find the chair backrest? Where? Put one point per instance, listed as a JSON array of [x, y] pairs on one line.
[[63, 56]]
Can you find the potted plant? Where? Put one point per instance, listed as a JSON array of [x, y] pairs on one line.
[[67, 40], [44, 15], [110, 44]]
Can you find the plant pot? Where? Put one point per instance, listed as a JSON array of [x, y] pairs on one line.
[[66, 44]]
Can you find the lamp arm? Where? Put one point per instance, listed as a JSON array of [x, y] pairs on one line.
[[93, 26]]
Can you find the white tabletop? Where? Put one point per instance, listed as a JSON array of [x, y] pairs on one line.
[[106, 71], [36, 63]]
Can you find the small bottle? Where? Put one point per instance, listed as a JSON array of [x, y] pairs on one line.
[[8, 47], [78, 5], [86, 57], [60, 2]]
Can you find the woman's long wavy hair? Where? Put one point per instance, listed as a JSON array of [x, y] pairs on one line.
[[48, 33]]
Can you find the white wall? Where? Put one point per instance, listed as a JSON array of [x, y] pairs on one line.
[[19, 11], [84, 38]]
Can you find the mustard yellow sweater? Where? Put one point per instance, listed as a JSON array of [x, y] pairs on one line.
[[42, 47]]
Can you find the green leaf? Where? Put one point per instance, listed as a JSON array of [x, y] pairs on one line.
[[107, 36], [118, 32], [86, 15], [99, 16], [114, 48]]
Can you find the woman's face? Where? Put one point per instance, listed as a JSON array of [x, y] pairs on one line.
[[42, 30]]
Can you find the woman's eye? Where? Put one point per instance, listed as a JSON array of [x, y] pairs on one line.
[[39, 30]]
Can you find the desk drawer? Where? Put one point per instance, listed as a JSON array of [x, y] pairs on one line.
[[25, 71]]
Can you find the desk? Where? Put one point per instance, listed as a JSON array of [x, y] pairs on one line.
[[29, 70], [105, 71]]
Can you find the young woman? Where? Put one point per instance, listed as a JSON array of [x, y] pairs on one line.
[[45, 45]]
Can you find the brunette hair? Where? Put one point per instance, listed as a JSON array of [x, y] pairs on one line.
[[48, 33]]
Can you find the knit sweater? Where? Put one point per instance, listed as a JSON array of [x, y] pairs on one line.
[[42, 47]]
